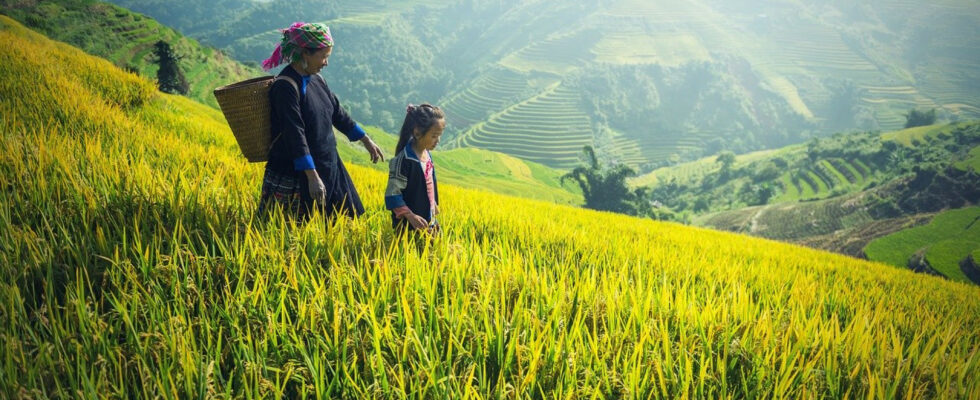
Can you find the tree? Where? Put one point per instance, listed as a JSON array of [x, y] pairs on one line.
[[726, 159], [170, 78], [920, 118], [605, 188], [845, 97]]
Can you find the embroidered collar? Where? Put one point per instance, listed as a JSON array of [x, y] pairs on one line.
[[410, 152]]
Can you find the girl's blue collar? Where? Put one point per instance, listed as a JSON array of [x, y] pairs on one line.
[[410, 151]]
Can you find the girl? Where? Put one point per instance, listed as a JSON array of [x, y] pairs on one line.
[[412, 194]]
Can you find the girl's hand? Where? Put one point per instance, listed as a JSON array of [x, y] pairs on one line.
[[373, 149], [417, 221]]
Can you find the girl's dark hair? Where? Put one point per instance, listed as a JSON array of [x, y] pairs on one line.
[[420, 117]]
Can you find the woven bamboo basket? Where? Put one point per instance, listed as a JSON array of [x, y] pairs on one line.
[[246, 106]]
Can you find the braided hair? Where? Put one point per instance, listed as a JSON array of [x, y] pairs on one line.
[[421, 117]]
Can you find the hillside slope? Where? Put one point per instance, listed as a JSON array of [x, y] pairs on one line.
[[131, 266], [838, 193], [127, 39]]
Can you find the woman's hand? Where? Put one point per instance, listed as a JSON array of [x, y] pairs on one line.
[[372, 149], [317, 190], [417, 221]]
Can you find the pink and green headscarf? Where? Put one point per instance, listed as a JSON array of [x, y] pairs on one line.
[[298, 36]]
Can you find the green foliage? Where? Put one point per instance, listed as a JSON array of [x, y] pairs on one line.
[[726, 159], [842, 107], [605, 189], [972, 162], [920, 118]]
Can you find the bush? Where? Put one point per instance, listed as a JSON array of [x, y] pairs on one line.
[[920, 118]]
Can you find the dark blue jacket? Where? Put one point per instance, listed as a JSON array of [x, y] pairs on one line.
[[406, 186]]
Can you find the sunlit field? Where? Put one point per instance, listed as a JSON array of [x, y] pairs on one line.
[[132, 265]]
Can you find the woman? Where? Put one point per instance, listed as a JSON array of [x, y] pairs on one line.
[[304, 170]]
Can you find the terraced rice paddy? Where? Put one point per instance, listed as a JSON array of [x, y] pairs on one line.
[[549, 129], [795, 60], [645, 147], [789, 221], [947, 240], [708, 28], [909, 137], [823, 179], [669, 13], [558, 55], [892, 103], [490, 93], [638, 48]]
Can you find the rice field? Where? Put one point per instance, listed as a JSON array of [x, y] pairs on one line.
[[670, 50], [824, 178], [559, 54], [548, 128], [946, 241], [492, 92], [132, 265]]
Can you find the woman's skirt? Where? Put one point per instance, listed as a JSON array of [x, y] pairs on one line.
[[289, 191]]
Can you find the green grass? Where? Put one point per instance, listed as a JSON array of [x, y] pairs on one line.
[[955, 226], [909, 136], [946, 256]]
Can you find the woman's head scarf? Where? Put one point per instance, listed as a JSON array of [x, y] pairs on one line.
[[298, 36]]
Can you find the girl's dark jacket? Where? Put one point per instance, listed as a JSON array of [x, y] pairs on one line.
[[406, 187]]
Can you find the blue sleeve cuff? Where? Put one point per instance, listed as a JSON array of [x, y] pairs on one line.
[[357, 133], [303, 163], [394, 201]]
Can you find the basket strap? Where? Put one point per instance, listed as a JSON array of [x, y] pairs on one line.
[[292, 82]]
